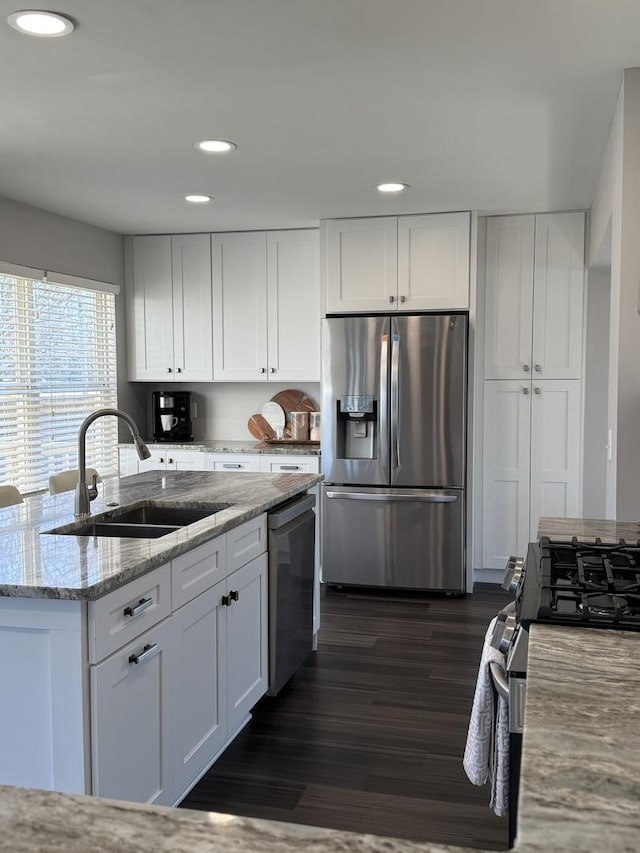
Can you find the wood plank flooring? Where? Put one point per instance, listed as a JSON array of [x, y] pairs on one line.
[[368, 736]]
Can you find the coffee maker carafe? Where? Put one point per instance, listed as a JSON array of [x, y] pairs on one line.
[[172, 416]]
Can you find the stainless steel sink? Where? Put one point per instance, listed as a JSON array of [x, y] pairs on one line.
[[147, 521]]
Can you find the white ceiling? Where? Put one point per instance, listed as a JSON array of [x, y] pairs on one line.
[[496, 105]]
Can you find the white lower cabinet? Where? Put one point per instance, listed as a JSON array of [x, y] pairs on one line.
[[166, 704], [131, 696], [246, 605], [160, 460], [200, 687], [531, 461]]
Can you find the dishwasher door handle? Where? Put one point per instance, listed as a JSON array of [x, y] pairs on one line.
[[499, 678], [283, 514]]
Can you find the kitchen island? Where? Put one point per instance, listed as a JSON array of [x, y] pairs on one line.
[[129, 664], [578, 786]]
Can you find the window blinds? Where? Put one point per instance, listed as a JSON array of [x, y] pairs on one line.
[[57, 364]]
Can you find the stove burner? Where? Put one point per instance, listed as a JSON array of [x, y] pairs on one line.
[[589, 584]]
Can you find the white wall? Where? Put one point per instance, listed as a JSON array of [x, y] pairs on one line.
[[617, 202], [596, 382], [225, 407], [35, 238]]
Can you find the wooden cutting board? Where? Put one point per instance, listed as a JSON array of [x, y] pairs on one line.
[[293, 400], [260, 428]]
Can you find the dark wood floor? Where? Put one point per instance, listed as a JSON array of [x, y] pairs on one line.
[[369, 735]]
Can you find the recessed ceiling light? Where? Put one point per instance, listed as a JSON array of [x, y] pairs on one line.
[[198, 199], [32, 22], [391, 187], [216, 146]]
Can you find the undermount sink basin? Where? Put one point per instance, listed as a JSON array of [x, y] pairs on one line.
[[149, 521]]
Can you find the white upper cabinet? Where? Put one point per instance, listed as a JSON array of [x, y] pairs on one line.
[[534, 296], [361, 264], [433, 262], [192, 322], [266, 306], [293, 304], [397, 263], [558, 291], [169, 306], [239, 262], [509, 297]]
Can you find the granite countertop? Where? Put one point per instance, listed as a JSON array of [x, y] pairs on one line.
[[39, 565], [292, 448], [588, 529], [578, 785]]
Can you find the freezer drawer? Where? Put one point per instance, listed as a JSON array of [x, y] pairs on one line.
[[402, 538]]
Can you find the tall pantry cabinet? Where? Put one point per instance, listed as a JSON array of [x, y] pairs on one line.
[[532, 421]]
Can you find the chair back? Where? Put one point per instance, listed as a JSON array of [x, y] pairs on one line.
[[9, 496], [65, 481]]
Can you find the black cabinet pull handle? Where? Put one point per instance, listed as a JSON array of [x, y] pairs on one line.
[[225, 601], [234, 595]]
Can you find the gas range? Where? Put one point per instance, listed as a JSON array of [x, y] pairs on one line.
[[585, 584]]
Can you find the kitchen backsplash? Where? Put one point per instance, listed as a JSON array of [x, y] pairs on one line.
[[223, 408]]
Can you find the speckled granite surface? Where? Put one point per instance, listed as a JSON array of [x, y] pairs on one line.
[[40, 565], [33, 821], [588, 529], [228, 446], [580, 788]]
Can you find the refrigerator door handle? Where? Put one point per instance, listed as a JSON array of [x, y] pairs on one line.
[[424, 497], [383, 442], [395, 399]]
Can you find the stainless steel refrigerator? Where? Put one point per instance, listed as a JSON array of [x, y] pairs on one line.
[[393, 451]]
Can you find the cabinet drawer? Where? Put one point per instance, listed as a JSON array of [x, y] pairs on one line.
[[246, 542], [232, 463], [198, 570], [291, 464], [120, 616]]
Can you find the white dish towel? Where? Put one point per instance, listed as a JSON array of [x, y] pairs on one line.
[[486, 755]]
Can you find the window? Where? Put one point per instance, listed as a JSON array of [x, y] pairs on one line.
[[57, 364]]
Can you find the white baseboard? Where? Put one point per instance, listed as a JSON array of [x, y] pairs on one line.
[[488, 576]]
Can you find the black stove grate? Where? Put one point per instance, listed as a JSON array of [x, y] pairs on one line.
[[590, 584]]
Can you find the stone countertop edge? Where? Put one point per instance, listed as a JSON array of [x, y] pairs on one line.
[[233, 446], [38, 564], [589, 529], [33, 821], [579, 787]]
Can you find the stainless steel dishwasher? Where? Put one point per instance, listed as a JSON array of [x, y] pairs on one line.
[[291, 544]]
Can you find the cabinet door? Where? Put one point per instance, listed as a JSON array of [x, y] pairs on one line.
[[247, 640], [361, 264], [558, 296], [150, 301], [239, 263], [185, 460], [200, 728], [506, 459], [156, 462], [127, 462], [433, 262], [192, 317], [508, 297], [293, 289], [555, 450], [131, 723]]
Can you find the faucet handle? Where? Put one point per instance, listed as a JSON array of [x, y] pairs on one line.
[[93, 488]]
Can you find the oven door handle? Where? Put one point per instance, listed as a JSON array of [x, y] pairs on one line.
[[499, 679]]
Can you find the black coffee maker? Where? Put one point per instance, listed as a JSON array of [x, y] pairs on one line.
[[172, 416]]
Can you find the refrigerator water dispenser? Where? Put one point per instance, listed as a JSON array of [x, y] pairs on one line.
[[356, 422]]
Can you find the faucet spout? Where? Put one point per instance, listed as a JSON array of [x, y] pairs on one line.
[[83, 495]]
